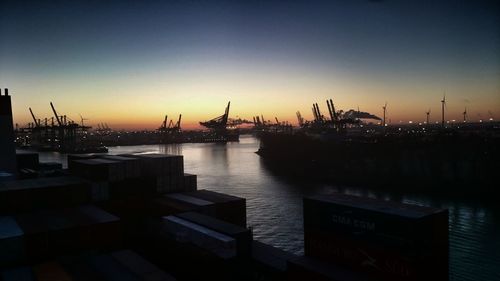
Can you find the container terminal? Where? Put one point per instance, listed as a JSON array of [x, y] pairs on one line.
[[440, 158], [60, 133], [142, 217]]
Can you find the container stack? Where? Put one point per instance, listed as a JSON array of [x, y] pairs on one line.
[[118, 265], [41, 235], [227, 207], [220, 250], [168, 170], [43, 193], [385, 240], [224, 207], [125, 176]]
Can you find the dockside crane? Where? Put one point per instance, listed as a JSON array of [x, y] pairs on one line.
[[55, 114], [331, 110], [317, 114], [300, 119], [36, 122], [218, 123], [428, 113], [164, 123], [178, 124]]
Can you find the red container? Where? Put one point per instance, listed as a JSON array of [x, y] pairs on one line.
[[310, 269], [389, 240]]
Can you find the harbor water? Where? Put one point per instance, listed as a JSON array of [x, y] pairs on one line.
[[274, 202]]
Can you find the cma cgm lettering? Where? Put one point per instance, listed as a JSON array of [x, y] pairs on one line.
[[353, 222]]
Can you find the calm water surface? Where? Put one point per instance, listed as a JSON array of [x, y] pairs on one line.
[[274, 202]]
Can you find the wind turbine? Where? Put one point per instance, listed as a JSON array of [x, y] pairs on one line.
[[385, 110], [82, 119], [443, 105]]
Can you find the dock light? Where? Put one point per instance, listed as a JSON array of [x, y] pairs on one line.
[[410, 122], [491, 119]]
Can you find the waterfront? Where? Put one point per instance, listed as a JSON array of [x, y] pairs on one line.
[[274, 202]]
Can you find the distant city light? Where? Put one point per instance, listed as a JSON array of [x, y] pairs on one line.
[[410, 122]]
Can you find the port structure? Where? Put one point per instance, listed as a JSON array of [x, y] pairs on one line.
[[57, 133], [170, 131], [336, 121], [218, 127], [261, 125]]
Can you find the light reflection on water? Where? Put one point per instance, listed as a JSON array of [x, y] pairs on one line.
[[274, 202]]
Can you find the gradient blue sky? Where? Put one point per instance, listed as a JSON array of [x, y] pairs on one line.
[[128, 63]]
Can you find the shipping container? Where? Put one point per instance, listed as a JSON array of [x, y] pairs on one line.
[[228, 208], [190, 183], [159, 207], [27, 160], [310, 269], [50, 271], [111, 269], [169, 184], [242, 235], [389, 240], [99, 169], [22, 273], [73, 157], [50, 192], [4, 176], [161, 164], [51, 233], [100, 191], [103, 230], [185, 231], [12, 248], [133, 187], [140, 266], [199, 205], [186, 260], [80, 270], [132, 165], [272, 258]]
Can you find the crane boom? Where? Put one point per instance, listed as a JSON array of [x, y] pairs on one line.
[[178, 126], [34, 118], [55, 114]]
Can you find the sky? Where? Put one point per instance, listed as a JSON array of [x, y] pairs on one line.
[[129, 63]]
